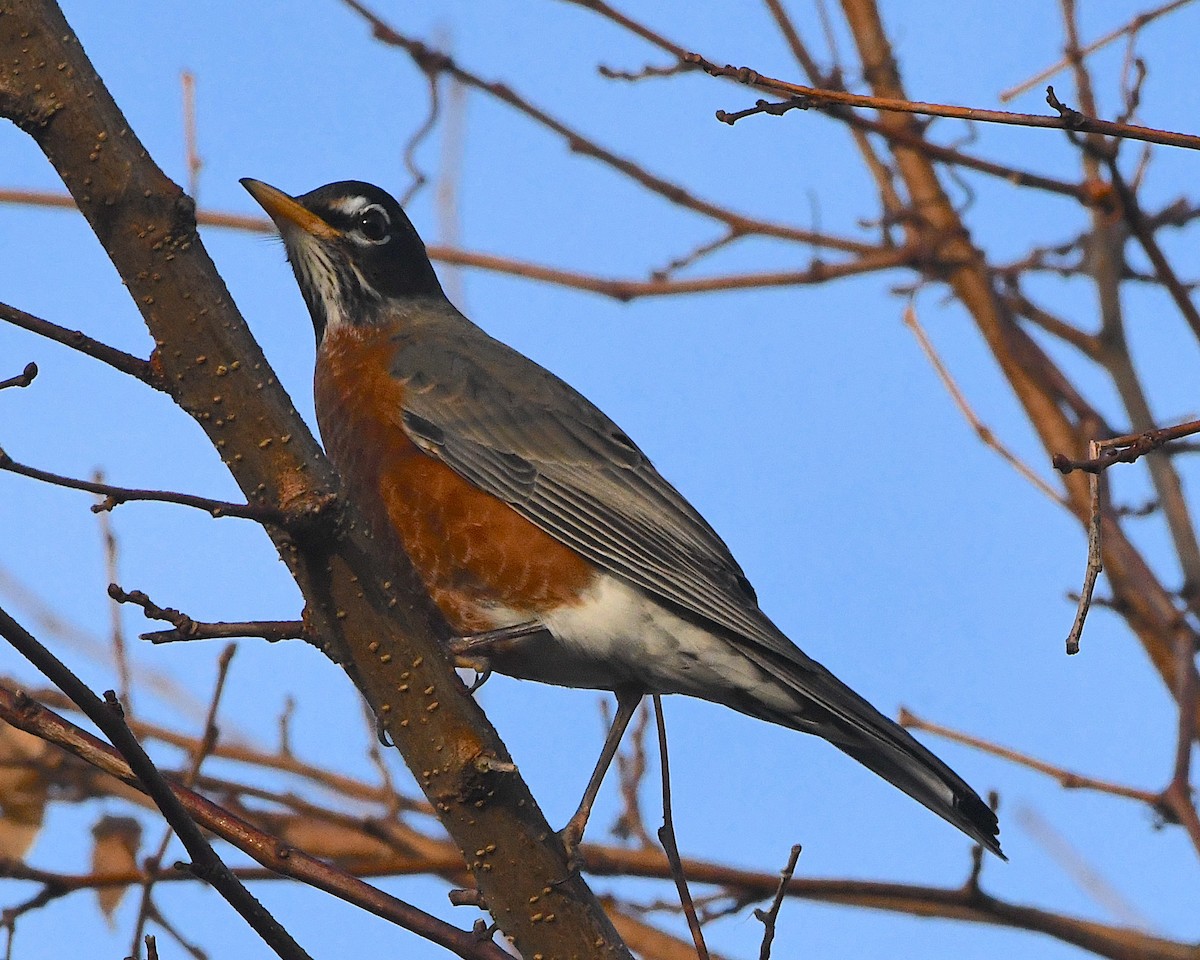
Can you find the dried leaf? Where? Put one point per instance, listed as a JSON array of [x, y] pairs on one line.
[[23, 790], [115, 850]]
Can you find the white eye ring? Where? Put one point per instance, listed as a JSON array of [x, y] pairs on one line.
[[373, 224]]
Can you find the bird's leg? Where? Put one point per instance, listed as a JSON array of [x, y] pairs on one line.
[[471, 649], [628, 700]]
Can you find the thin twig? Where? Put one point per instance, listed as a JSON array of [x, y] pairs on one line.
[[648, 71], [1087, 877], [1067, 779], [1146, 239], [1066, 119], [631, 767], [1177, 797], [771, 915], [114, 496], [1124, 449], [449, 183], [981, 429], [1095, 557], [279, 859], [185, 628], [116, 626], [1133, 26], [414, 142], [204, 746], [875, 259], [694, 256], [77, 340], [666, 836], [22, 379], [107, 715], [191, 147], [427, 58]]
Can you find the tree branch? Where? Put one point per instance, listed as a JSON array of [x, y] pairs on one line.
[[1067, 119], [369, 608], [108, 716], [264, 848], [77, 340], [114, 496]]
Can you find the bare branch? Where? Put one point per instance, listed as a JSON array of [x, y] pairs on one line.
[[78, 340], [188, 629], [107, 715], [1067, 119], [771, 915], [1130, 28], [983, 431], [281, 859], [1067, 779], [22, 379], [666, 836], [426, 59], [114, 496]]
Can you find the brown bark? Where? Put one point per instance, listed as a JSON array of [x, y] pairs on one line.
[[366, 604]]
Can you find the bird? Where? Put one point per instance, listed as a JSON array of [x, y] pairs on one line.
[[549, 541]]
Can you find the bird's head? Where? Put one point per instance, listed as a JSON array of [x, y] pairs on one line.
[[355, 254]]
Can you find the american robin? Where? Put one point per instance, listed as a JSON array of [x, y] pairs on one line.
[[536, 523]]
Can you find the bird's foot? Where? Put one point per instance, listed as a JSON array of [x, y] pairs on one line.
[[471, 650]]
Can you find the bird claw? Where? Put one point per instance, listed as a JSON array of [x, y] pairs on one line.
[[381, 733], [482, 667], [470, 651]]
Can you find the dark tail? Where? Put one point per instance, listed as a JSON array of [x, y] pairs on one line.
[[829, 709], [925, 778]]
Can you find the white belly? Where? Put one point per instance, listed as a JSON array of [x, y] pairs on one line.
[[620, 636]]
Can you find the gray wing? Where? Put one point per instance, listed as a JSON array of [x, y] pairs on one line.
[[515, 430]]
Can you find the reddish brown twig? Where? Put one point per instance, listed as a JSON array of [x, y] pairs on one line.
[[204, 746], [427, 58], [877, 259], [1177, 797], [280, 859], [1102, 454], [981, 429], [1125, 449], [1067, 118], [191, 142], [116, 626], [1066, 778], [856, 121], [107, 715], [1130, 28]]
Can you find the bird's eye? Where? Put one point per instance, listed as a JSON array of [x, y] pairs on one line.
[[373, 223]]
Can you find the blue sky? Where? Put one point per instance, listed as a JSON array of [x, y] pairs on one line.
[[805, 425]]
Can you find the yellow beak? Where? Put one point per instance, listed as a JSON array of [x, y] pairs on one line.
[[287, 211]]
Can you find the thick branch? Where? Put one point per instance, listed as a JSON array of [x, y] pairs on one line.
[[366, 603], [1038, 383]]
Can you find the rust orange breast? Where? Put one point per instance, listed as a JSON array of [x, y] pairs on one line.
[[475, 553]]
